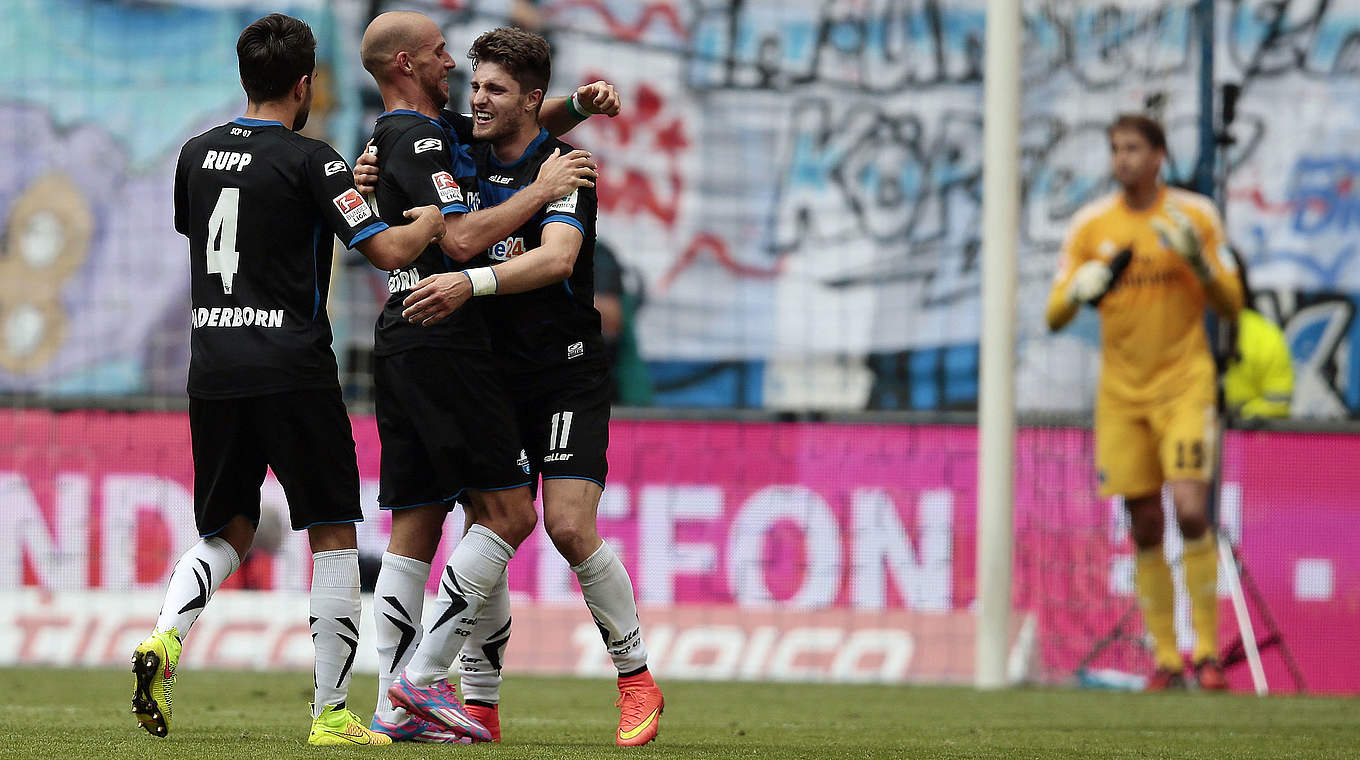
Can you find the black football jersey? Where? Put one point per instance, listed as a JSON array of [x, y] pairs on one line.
[[557, 323], [423, 163], [261, 205]]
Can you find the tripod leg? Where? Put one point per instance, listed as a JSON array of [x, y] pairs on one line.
[[1239, 601], [1250, 585], [1116, 633]]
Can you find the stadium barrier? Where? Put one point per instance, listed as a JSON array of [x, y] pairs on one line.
[[760, 550]]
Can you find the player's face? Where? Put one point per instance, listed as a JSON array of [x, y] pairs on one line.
[[499, 107], [431, 64], [1133, 160]]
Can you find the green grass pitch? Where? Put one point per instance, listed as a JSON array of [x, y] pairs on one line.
[[75, 714]]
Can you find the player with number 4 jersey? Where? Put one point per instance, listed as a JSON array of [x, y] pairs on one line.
[[261, 206]]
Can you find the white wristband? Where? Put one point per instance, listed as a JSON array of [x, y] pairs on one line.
[[483, 281]]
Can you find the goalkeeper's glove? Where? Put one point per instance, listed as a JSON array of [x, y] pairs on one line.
[[1178, 234], [1094, 279]]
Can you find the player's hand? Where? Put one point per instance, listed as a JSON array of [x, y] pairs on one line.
[[1178, 234], [436, 297], [366, 170], [561, 174], [1094, 279], [599, 97], [1089, 282], [431, 217]]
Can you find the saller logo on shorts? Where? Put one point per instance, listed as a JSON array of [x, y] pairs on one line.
[[448, 189], [352, 206], [576, 350]]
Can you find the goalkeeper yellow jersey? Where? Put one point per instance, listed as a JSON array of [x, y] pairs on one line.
[[1153, 343]]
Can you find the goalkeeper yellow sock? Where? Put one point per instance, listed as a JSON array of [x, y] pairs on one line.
[[1157, 597], [1201, 581]]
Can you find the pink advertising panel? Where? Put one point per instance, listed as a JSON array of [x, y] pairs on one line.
[[744, 532]]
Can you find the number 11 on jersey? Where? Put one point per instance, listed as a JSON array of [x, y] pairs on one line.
[[222, 256]]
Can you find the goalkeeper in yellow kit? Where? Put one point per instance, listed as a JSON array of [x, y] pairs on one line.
[[1148, 258]]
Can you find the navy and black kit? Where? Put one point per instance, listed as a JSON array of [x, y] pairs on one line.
[[443, 417], [261, 205], [548, 342]]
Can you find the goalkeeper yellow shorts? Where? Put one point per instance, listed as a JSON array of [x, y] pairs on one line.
[[1139, 449]]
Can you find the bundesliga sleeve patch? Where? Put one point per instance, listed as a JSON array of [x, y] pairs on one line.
[[564, 205], [352, 207], [335, 167], [447, 188], [428, 143]]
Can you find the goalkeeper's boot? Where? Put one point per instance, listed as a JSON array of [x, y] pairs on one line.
[[337, 726], [153, 667], [1165, 679], [1210, 675], [415, 729], [640, 704], [438, 703], [488, 715]]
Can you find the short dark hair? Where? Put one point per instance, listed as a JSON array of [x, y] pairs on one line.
[[274, 53], [1146, 126], [525, 55]]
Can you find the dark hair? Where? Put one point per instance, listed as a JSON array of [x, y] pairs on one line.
[[274, 53], [1143, 125], [525, 55]]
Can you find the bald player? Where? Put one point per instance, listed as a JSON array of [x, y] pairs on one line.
[[446, 426], [1149, 258]]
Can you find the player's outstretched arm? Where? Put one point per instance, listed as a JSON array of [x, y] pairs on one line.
[[438, 296], [561, 115], [395, 247], [560, 175]]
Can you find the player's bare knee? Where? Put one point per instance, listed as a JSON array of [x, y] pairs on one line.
[[574, 539], [240, 533], [1146, 524], [508, 514], [327, 538], [1192, 526], [416, 531]]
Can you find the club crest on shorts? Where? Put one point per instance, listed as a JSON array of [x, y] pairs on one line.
[[523, 461]]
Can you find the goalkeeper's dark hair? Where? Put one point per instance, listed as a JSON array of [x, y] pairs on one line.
[[1149, 128], [273, 54], [526, 56]]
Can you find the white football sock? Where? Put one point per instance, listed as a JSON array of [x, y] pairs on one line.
[[196, 577], [398, 601], [475, 566], [479, 663], [608, 592], [335, 623]]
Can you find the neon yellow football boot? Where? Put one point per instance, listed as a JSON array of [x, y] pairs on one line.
[[153, 666], [337, 726]]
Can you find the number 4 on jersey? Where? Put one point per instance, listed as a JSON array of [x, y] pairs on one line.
[[222, 256]]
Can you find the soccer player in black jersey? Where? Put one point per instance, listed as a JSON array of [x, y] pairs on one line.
[[446, 427], [546, 334], [261, 205]]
